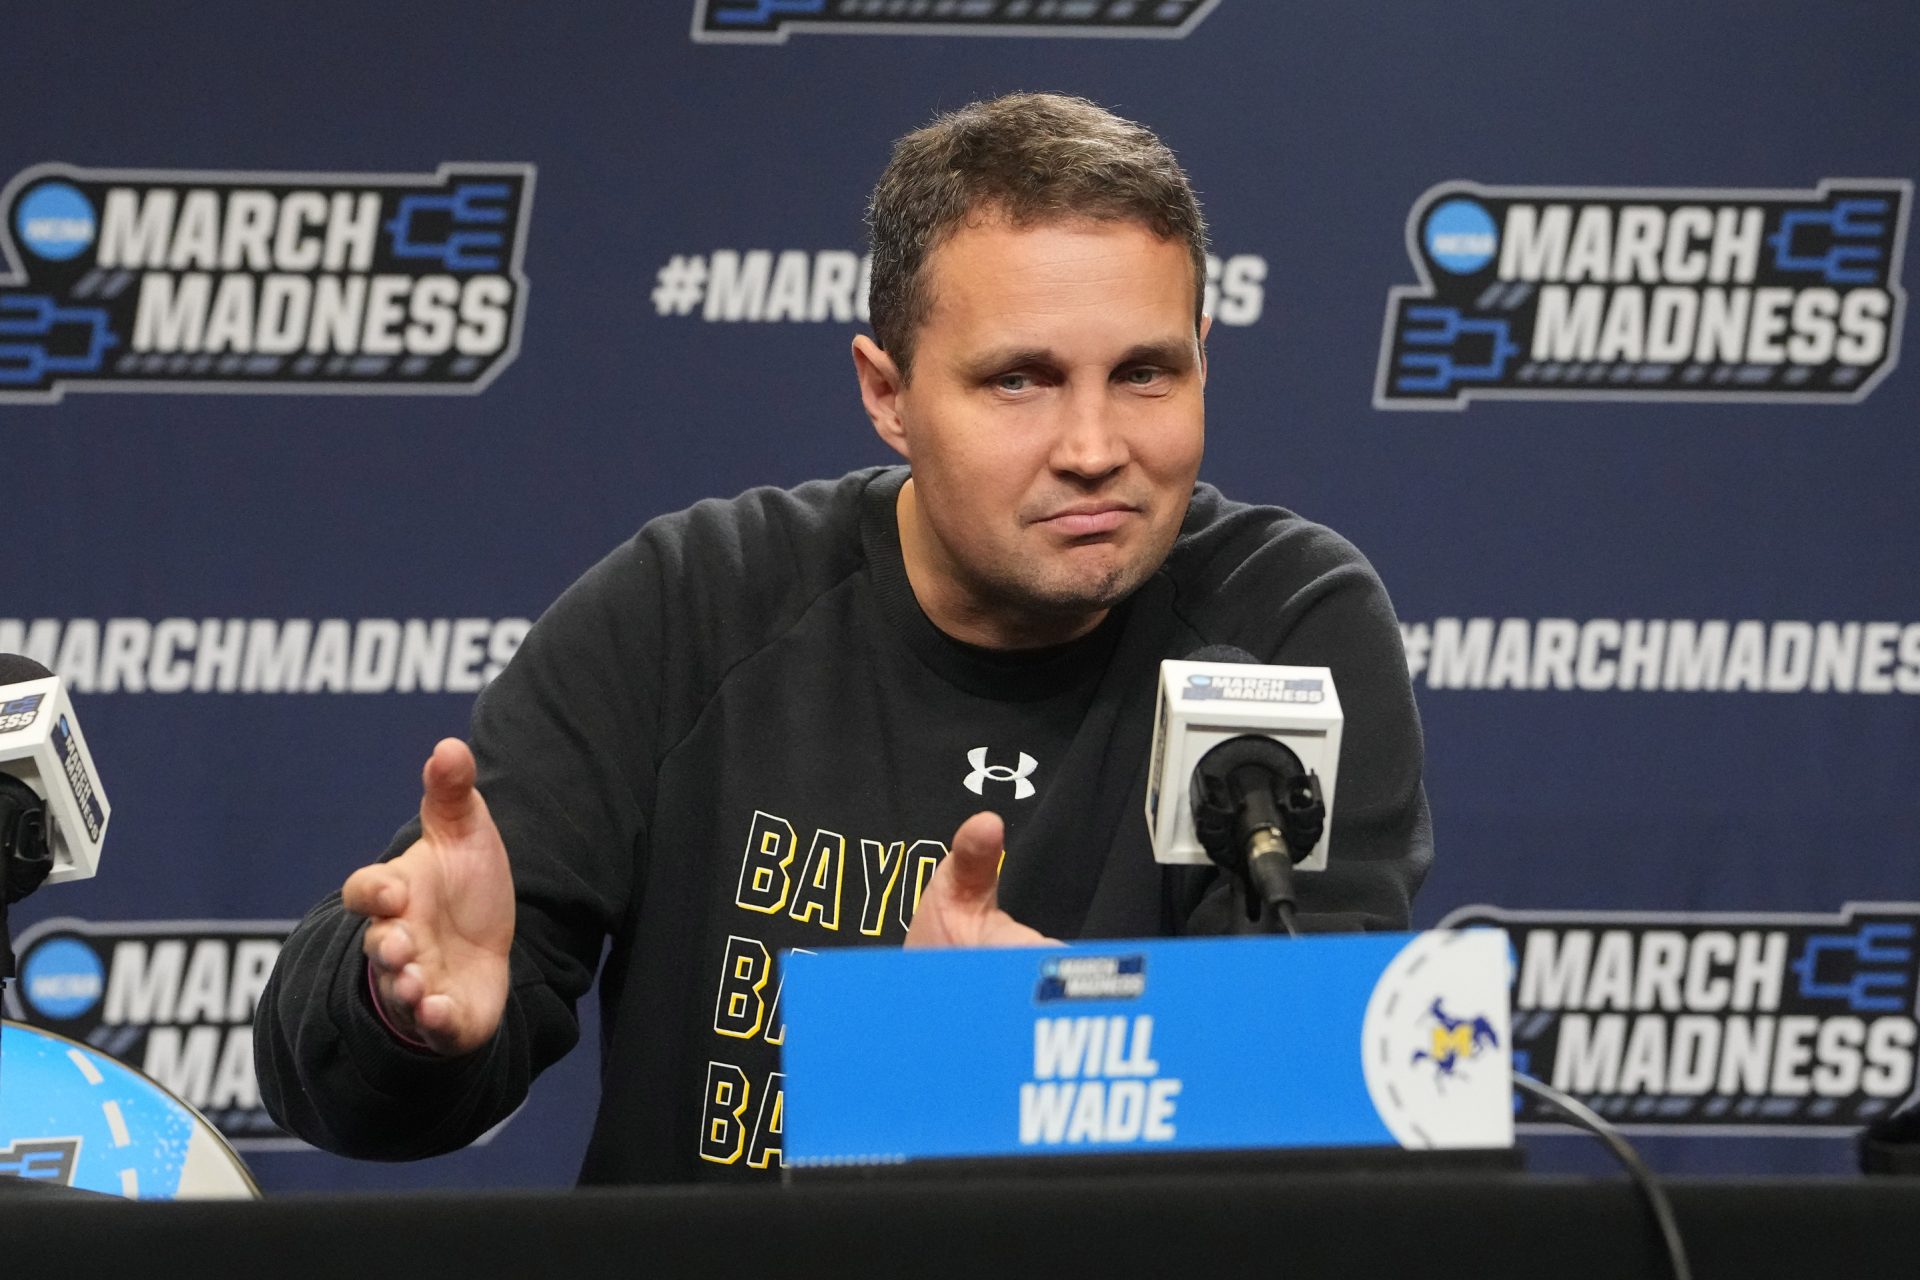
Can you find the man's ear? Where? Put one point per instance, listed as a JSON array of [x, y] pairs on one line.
[[881, 387], [1206, 326]]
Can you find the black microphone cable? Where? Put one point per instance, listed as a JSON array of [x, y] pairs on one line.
[[1577, 1114], [1257, 810]]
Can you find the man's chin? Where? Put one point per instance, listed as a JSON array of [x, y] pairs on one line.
[[1090, 594]]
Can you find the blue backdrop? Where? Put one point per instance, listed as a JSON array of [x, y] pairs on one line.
[[677, 260]]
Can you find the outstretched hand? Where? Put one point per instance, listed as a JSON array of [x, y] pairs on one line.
[[441, 914], [960, 906]]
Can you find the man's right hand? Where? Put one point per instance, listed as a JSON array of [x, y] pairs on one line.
[[961, 904], [441, 915]]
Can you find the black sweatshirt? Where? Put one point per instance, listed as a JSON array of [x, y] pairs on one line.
[[738, 734]]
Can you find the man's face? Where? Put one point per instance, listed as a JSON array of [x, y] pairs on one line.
[[1054, 424]]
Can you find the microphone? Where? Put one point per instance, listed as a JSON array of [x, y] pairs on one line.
[[53, 814], [1245, 757]]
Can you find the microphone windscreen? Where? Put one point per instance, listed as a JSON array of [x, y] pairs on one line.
[[16, 669]]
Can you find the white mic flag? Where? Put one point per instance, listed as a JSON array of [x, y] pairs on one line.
[[41, 745], [1202, 704]]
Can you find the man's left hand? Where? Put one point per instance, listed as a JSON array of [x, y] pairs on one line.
[[960, 907]]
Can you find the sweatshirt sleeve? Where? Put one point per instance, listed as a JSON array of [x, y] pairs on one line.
[[1309, 598], [564, 740]]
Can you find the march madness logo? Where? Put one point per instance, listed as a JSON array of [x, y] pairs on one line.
[[1253, 689], [174, 999], [1579, 293], [174, 280], [18, 713], [1091, 978], [772, 21], [47, 1160], [1716, 1023]]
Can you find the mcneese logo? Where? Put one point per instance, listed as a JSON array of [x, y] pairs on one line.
[[174, 999], [772, 21], [1716, 1023], [175, 280], [1578, 293], [1454, 1040]]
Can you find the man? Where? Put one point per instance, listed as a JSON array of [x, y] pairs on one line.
[[749, 728]]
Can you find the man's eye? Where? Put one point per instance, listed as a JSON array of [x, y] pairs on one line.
[[1012, 382], [1142, 375]]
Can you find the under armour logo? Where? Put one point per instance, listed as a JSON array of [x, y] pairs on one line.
[[977, 780]]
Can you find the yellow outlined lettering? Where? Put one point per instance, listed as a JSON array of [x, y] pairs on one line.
[[722, 1135], [764, 879], [920, 861], [739, 1009], [880, 869], [821, 878], [770, 1124]]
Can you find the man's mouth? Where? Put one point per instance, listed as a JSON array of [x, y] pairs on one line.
[[1086, 519]]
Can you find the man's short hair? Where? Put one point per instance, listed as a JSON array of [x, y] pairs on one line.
[[1031, 158]]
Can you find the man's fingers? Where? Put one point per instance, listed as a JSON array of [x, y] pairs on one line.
[[449, 805], [972, 866], [374, 891], [435, 1013], [389, 946], [409, 985], [396, 948], [961, 906]]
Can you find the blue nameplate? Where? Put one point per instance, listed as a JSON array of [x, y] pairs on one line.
[[1192, 1045]]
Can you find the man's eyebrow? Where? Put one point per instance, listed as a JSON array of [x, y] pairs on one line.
[[1001, 359], [1171, 354]]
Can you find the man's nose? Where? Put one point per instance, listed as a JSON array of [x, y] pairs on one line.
[[1091, 442]]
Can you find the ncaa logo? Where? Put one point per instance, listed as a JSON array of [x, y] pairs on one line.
[[62, 980], [55, 221], [976, 781]]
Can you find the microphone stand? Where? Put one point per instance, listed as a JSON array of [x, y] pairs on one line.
[[1258, 810]]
